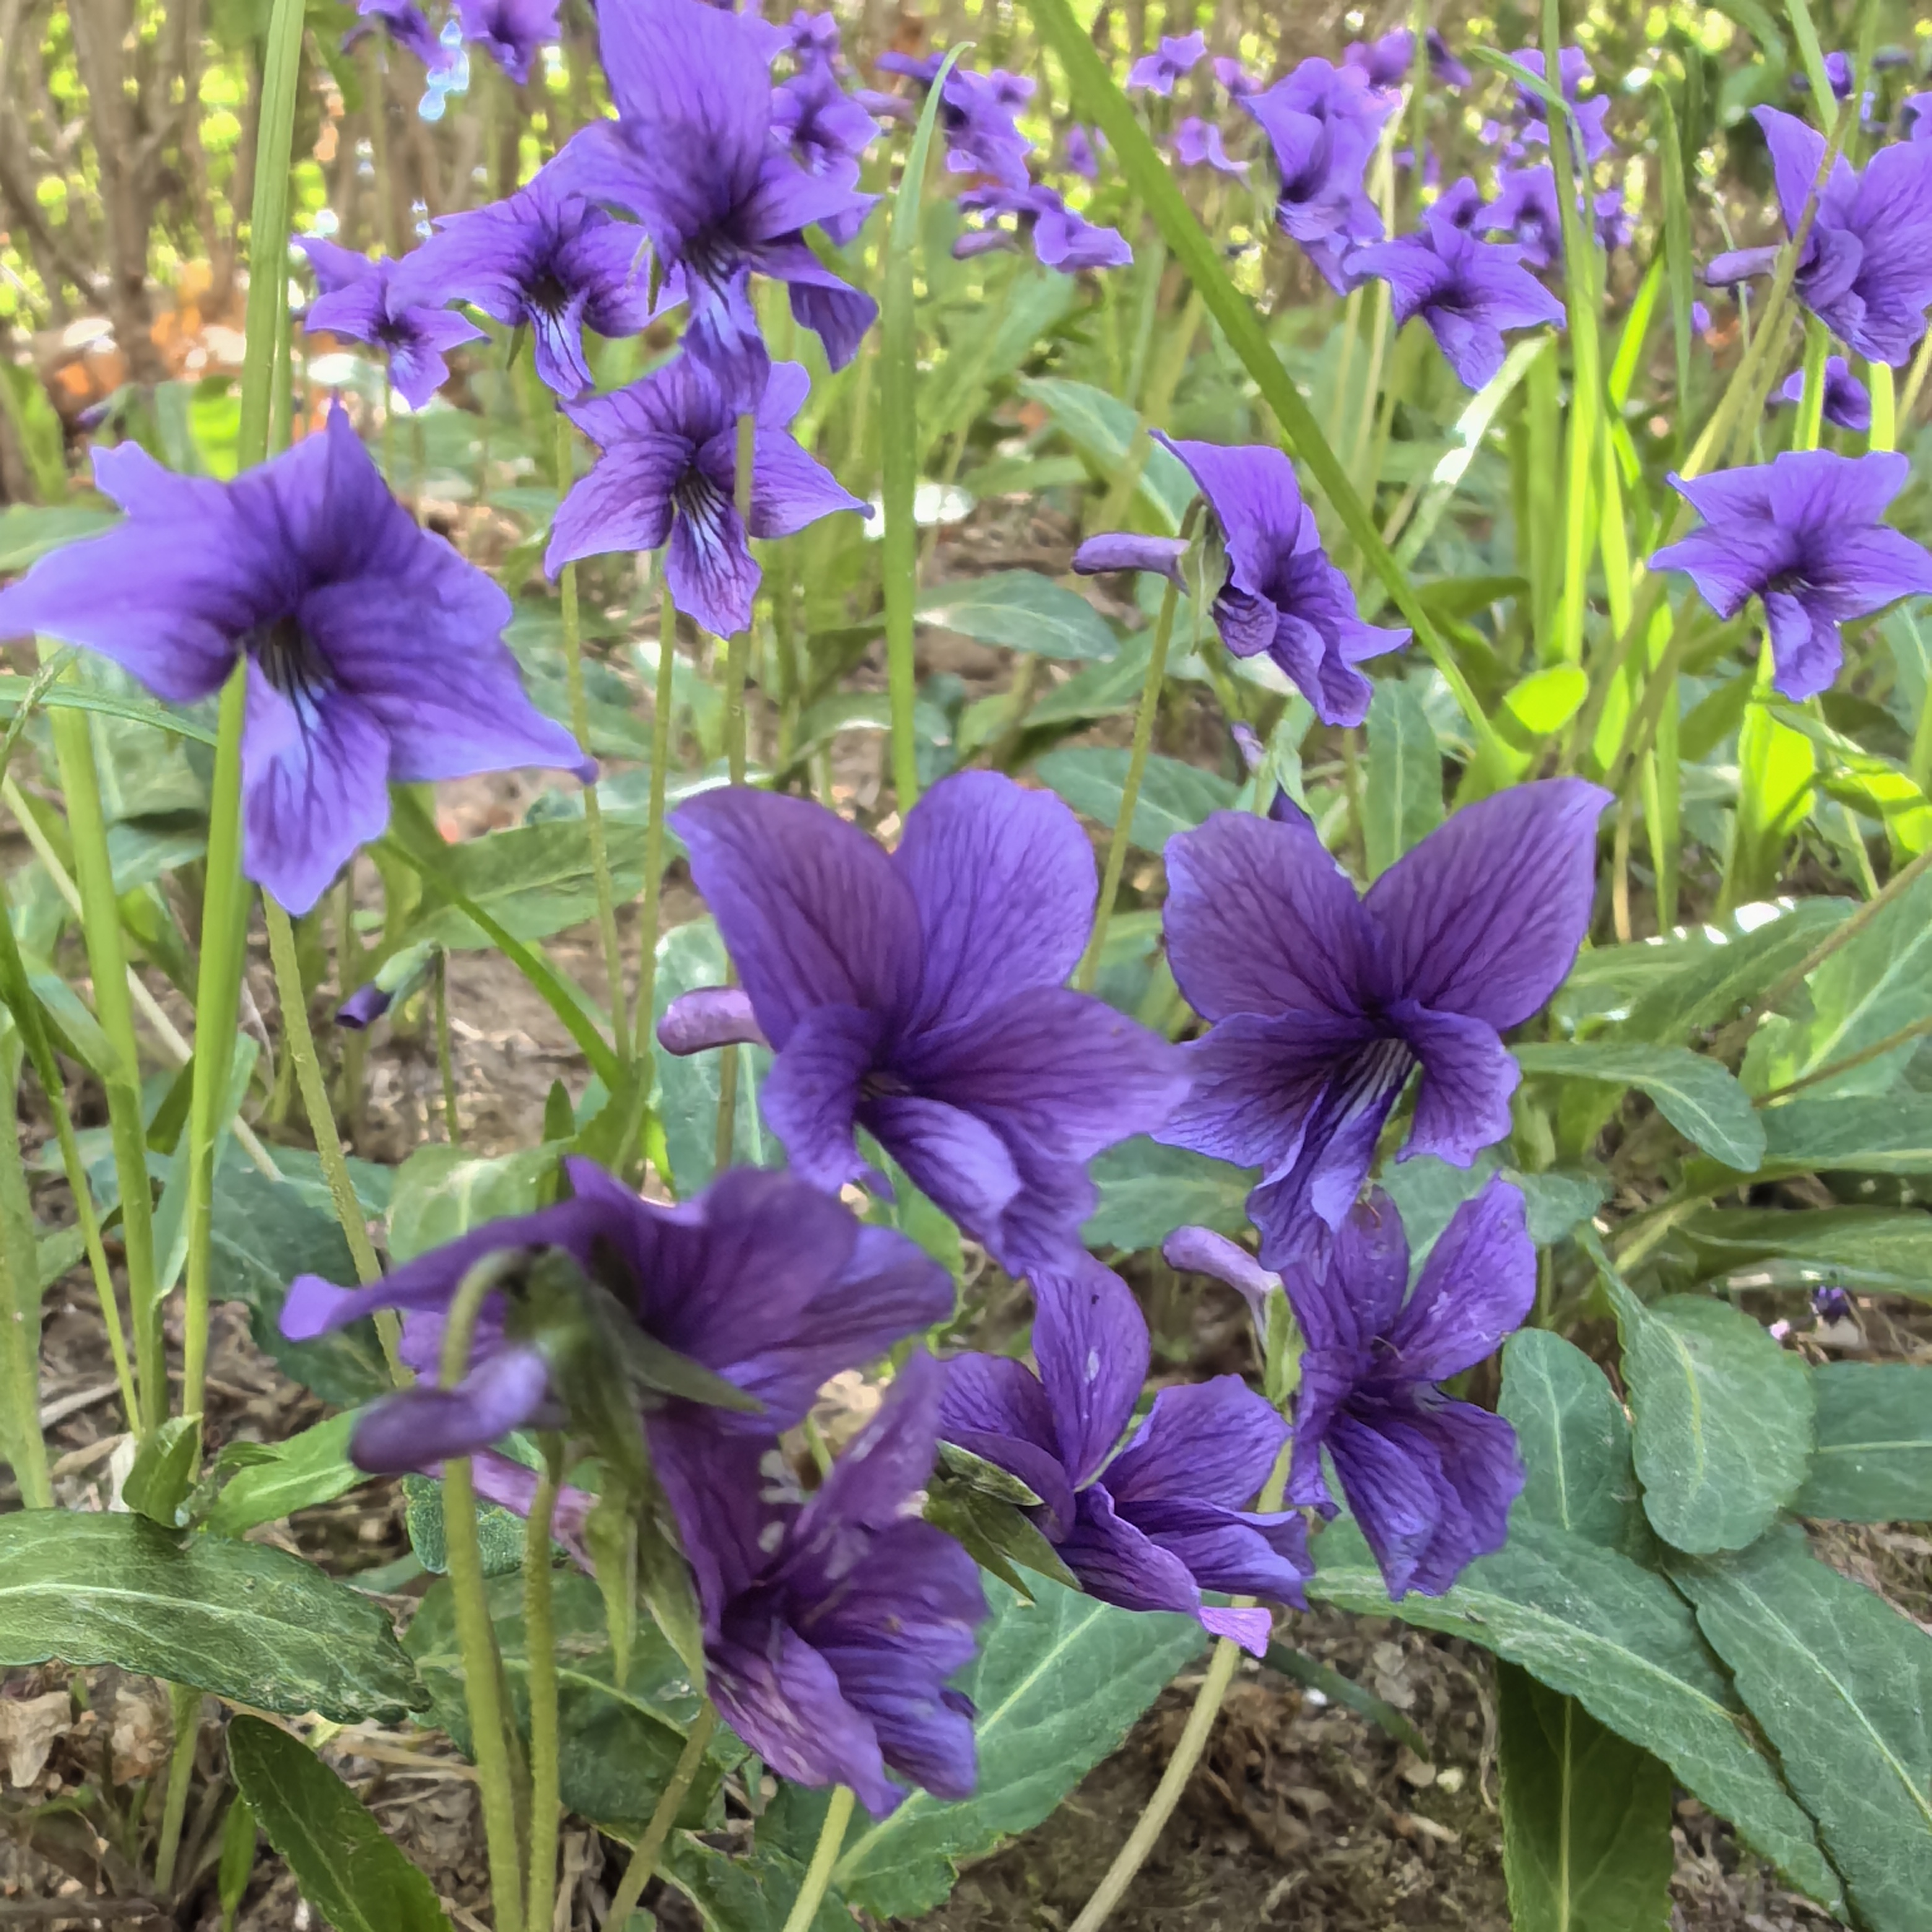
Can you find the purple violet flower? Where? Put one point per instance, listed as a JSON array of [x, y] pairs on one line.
[[542, 258], [690, 156], [1387, 62], [407, 26], [1612, 219], [1429, 1479], [1235, 79], [976, 117], [1159, 72], [1847, 402], [812, 40], [923, 68], [1802, 532], [832, 1622], [1151, 1527], [666, 473], [1281, 594], [364, 1007], [921, 996], [1467, 291], [356, 302], [1062, 240], [1321, 1003], [1078, 149], [827, 132], [1526, 209], [377, 651], [1197, 142], [1573, 65], [510, 31], [1460, 204], [1866, 269]]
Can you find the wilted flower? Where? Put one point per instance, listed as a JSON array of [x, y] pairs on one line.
[[1061, 239], [1322, 1004], [1387, 62], [1526, 209], [357, 302], [1573, 65], [1802, 532], [922, 997], [510, 31], [827, 132], [1177, 57], [376, 652], [666, 473], [1196, 141], [1847, 402]]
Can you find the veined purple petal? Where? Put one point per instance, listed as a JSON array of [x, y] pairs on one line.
[[810, 1096], [1091, 1343], [1477, 1287], [1214, 1441], [1468, 1076]]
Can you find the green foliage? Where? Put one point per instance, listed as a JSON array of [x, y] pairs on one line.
[[1147, 1190], [308, 1468], [1174, 796], [1694, 1094], [1886, 1250], [1873, 1460], [1023, 610], [441, 1192], [1402, 792]]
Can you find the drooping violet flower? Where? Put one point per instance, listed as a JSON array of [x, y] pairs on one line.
[[1386, 62], [832, 1621], [1281, 595], [976, 118], [1429, 1479], [827, 132], [1866, 272], [1803, 532], [375, 651], [1459, 204], [690, 156], [1197, 142], [357, 303], [1177, 57], [1077, 148], [666, 473], [1526, 209], [1322, 1004], [1151, 1527], [1467, 291], [1235, 79], [542, 259], [1323, 122], [922, 997], [1062, 240], [510, 31], [1847, 402], [1533, 111]]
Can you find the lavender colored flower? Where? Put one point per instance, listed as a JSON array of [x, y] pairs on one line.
[[832, 1622], [1323, 122], [1281, 594], [357, 303], [1429, 1479], [976, 117], [1177, 57], [407, 25], [1387, 62], [1802, 532], [690, 155], [827, 132], [1321, 1003], [1062, 240], [1197, 142], [510, 31], [1526, 209], [923, 68], [377, 652], [1235, 79], [922, 997], [812, 40], [1078, 149], [1866, 272], [1700, 318], [1459, 204], [1467, 291], [1612, 217], [1847, 402], [666, 473], [1151, 1527], [1573, 67]]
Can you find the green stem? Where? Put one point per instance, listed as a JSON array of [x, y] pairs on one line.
[[824, 1856], [1884, 407], [540, 1646], [22, 1443], [664, 703], [643, 1865], [1915, 382], [737, 648], [445, 1061], [1811, 403], [185, 1705]]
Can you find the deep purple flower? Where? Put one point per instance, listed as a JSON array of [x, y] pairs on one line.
[[1847, 402], [827, 132], [832, 1621], [364, 1007], [510, 31], [1459, 204], [1151, 1527], [1281, 595], [1196, 142], [690, 155], [1323, 122], [1386, 62], [1159, 72], [1573, 65], [1061, 239], [1235, 79], [1322, 1004], [357, 303], [1467, 291], [1866, 272], [666, 473], [922, 997], [1802, 532], [377, 652], [1078, 149], [544, 258], [1429, 1479], [976, 118], [1526, 209], [407, 25]]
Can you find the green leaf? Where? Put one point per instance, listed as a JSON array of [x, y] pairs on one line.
[[1847, 1134], [1402, 799], [27, 531], [1546, 700], [441, 1192], [1591, 1623], [347, 1866], [239, 1620], [1174, 797], [753, 1893], [14, 691], [1427, 1191], [164, 1471], [1147, 1191], [1023, 610], [310, 1468], [533, 880], [1883, 1250], [686, 1098], [1841, 1683], [1058, 1683], [1873, 1461], [500, 1535], [1697, 1096], [1102, 428], [1586, 1817]]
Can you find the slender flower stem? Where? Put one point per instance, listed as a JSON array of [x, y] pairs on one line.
[[184, 1707], [445, 1062], [1884, 407], [643, 1865], [737, 648], [1915, 382], [824, 1856], [664, 702], [22, 1444], [540, 1647]]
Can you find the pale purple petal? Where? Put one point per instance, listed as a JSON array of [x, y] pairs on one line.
[[1125, 550], [425, 1424], [1805, 646], [1201, 1251], [709, 1016]]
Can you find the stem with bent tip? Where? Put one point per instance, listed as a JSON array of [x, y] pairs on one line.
[[540, 1646], [643, 1865], [737, 648], [824, 1856]]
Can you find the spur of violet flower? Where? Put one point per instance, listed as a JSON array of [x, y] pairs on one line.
[[1281, 595], [1322, 1004], [510, 31], [832, 1622], [1866, 271], [690, 156], [1171, 63], [1429, 1479], [666, 473], [921, 996], [1151, 1527], [1197, 142], [1847, 402], [1803, 532], [376, 652], [358, 303], [1467, 291], [543, 258], [1062, 240]]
